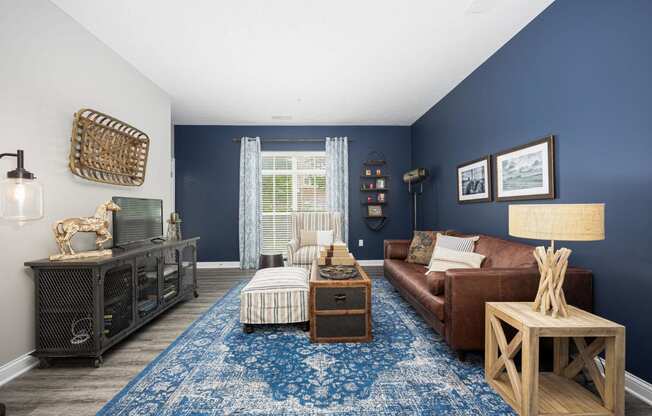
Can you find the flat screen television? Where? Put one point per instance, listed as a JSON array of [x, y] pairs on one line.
[[138, 220]]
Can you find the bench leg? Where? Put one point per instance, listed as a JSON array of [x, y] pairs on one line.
[[247, 328]]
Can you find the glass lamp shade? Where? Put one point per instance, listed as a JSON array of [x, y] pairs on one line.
[[21, 199]]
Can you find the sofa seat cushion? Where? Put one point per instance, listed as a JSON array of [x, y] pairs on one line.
[[412, 278], [306, 254], [436, 305], [402, 270], [435, 281]]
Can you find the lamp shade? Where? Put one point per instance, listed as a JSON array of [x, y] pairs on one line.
[[562, 222], [21, 199]]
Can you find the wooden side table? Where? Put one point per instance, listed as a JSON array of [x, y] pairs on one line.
[[532, 393]]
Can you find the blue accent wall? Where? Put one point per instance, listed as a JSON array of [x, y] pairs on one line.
[[582, 70], [207, 166]]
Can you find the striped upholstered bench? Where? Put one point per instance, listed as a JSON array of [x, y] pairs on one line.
[[278, 295]]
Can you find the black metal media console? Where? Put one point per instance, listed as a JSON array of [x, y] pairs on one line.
[[84, 307]]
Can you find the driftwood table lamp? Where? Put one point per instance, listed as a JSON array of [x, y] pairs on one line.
[[562, 222]]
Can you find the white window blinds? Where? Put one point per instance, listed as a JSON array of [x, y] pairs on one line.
[[291, 182]]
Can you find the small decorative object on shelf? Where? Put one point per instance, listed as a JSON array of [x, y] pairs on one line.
[[565, 222], [107, 150], [375, 181], [64, 230], [375, 211], [174, 227]]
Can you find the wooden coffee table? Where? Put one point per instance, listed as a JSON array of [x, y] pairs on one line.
[[532, 393], [340, 310]]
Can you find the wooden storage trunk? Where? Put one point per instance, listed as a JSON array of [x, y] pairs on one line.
[[340, 310]]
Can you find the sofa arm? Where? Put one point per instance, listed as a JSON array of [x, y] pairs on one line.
[[396, 249], [467, 290], [293, 247]]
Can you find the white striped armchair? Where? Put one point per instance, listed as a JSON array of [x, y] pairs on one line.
[[302, 255]]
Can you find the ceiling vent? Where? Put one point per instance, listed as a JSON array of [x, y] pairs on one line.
[[286, 118]]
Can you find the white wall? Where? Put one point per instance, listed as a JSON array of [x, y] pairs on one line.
[[51, 67]]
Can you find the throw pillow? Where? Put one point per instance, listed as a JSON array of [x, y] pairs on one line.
[[445, 258], [316, 238], [421, 247], [457, 243]]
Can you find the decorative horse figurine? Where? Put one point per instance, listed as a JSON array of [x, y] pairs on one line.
[[64, 230]]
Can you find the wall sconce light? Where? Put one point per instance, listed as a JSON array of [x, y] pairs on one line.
[[21, 195]]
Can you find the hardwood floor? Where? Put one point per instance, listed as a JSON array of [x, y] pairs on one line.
[[74, 388]]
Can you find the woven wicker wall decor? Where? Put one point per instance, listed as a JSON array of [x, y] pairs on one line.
[[105, 149]]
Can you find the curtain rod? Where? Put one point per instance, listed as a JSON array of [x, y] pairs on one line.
[[313, 140]]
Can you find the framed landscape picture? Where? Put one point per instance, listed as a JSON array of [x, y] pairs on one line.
[[526, 172], [474, 181]]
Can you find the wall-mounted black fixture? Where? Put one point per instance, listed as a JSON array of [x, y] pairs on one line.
[[412, 178], [21, 195]]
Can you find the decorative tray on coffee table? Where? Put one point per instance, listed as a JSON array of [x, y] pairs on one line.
[[338, 272]]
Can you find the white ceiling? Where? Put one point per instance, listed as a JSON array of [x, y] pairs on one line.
[[318, 62]]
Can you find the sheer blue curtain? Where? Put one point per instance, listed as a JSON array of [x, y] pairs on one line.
[[337, 177], [250, 191]]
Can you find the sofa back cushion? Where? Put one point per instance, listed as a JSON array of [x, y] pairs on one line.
[[504, 253], [500, 252]]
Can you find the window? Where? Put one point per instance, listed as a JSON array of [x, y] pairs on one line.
[[291, 182]]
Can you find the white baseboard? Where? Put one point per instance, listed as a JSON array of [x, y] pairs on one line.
[[370, 262], [634, 385], [236, 264], [218, 264], [15, 368]]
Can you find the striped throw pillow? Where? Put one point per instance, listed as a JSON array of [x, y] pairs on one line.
[[466, 244]]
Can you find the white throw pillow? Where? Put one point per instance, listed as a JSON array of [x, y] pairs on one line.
[[316, 238], [444, 258]]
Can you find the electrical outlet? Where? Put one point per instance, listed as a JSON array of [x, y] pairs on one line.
[[360, 243]]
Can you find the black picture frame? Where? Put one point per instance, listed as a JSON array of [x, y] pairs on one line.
[[485, 163], [548, 178]]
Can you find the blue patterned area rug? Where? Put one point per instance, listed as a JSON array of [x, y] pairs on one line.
[[213, 368]]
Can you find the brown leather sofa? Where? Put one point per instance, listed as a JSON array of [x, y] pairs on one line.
[[452, 302]]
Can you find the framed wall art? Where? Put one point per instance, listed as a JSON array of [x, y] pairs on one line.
[[526, 172], [374, 211], [474, 181]]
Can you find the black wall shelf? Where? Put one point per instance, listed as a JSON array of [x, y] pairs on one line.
[[374, 170]]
